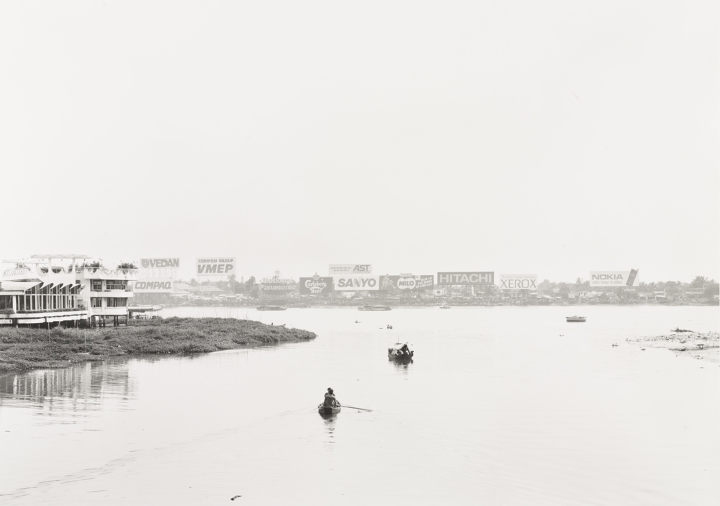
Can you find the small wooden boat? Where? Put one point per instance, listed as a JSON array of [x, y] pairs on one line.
[[325, 410], [445, 306], [400, 351], [271, 308], [374, 308], [580, 319]]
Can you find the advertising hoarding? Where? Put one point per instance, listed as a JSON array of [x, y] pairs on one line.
[[466, 278], [158, 269], [517, 281], [153, 286], [316, 285], [357, 283], [349, 269], [159, 263], [614, 278], [278, 285], [406, 282], [215, 266]]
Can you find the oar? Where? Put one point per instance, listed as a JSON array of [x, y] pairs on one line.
[[355, 407]]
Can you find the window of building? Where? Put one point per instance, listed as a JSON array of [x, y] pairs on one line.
[[95, 301], [96, 285], [6, 302], [115, 284]]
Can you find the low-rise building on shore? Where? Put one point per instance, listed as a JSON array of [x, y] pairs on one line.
[[34, 292]]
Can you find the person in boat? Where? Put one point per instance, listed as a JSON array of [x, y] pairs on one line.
[[405, 350], [330, 400]]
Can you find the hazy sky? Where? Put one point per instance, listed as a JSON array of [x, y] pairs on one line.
[[518, 136]]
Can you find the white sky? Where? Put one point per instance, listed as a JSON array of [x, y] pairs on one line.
[[520, 136]]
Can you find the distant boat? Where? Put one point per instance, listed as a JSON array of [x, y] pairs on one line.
[[445, 306], [271, 308], [374, 308], [580, 319], [326, 410], [400, 351]]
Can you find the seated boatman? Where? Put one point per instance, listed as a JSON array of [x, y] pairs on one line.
[[330, 401]]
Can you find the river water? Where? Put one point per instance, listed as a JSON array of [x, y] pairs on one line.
[[502, 405]]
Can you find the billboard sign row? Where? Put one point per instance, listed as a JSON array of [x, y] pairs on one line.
[[316, 285], [357, 283], [349, 269], [215, 266], [406, 282], [466, 278], [517, 281], [614, 278]]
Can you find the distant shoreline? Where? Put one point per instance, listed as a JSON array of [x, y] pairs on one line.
[[395, 303], [23, 349]]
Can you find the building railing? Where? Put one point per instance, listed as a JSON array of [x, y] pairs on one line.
[[37, 311]]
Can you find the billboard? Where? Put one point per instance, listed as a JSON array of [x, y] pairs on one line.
[[278, 285], [159, 263], [349, 269], [518, 281], [158, 269], [357, 283], [316, 285], [215, 266], [153, 286], [614, 278], [466, 278], [406, 282]]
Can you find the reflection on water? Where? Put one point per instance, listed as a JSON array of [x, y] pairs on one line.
[[401, 364], [77, 388], [330, 427]]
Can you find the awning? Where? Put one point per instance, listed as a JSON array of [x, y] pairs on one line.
[[18, 285]]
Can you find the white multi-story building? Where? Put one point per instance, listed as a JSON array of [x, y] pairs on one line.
[[36, 292]]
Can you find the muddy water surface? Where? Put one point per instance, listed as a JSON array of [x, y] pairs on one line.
[[508, 406]]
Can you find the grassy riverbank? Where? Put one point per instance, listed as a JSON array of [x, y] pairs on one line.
[[25, 349]]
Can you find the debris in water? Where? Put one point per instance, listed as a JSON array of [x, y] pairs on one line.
[[233, 498]]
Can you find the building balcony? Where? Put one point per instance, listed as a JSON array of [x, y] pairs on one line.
[[109, 311], [120, 294], [42, 316]]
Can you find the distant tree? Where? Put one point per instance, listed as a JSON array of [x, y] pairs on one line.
[[193, 282], [698, 282], [712, 289], [251, 288]]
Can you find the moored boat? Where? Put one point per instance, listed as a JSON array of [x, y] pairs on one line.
[[400, 351], [445, 306], [271, 308], [374, 308], [327, 410], [580, 319]]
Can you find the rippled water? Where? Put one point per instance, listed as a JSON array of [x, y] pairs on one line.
[[509, 406]]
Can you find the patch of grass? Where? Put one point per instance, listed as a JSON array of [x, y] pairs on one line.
[[24, 349]]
